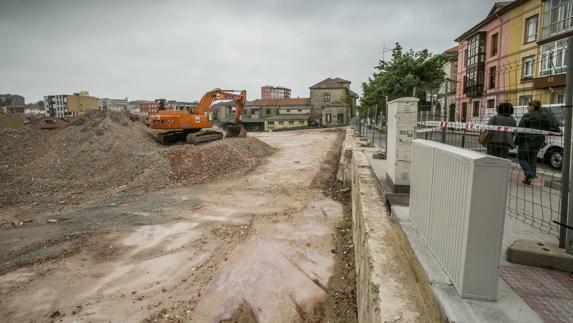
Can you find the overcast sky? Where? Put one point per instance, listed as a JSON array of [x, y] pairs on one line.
[[178, 49]]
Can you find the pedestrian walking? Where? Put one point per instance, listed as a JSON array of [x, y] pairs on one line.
[[528, 144], [501, 142]]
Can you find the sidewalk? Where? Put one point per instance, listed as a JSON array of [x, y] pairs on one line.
[[510, 307]]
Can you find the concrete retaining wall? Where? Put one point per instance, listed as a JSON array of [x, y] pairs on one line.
[[387, 287]]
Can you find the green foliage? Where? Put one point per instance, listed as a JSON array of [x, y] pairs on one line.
[[404, 72]]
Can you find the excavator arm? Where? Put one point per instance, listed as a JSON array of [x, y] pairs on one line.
[[204, 106], [234, 129]]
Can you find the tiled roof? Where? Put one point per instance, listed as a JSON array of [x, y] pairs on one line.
[[453, 50], [279, 102], [330, 83]]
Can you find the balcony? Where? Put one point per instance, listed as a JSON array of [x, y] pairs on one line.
[[549, 81]]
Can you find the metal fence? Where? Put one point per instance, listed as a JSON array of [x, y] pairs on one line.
[[373, 130], [536, 203]]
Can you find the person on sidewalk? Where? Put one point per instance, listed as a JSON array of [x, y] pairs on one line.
[[528, 144], [501, 142]]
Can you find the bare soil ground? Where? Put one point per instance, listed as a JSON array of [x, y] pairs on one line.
[[268, 242]]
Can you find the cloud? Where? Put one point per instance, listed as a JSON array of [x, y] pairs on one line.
[[180, 49]]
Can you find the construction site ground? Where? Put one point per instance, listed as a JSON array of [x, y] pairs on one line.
[[269, 242]]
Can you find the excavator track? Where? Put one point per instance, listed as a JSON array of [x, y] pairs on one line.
[[203, 137]]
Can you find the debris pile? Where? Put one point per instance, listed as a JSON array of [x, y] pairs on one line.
[[104, 153], [217, 160], [100, 152]]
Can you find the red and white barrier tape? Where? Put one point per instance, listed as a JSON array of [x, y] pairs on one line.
[[481, 126]]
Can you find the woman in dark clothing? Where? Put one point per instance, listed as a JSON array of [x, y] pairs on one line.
[[501, 142], [528, 144]]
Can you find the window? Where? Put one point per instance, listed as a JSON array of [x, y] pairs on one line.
[[492, 77], [340, 118], [271, 123], [464, 111], [557, 18], [326, 97], [281, 122], [291, 122], [288, 110], [328, 118], [299, 110], [494, 38], [475, 109], [491, 103], [268, 111], [466, 57], [530, 29], [553, 58], [527, 72], [301, 122], [525, 99], [558, 98]]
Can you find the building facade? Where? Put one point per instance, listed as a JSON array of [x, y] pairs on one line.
[[332, 97], [148, 108], [556, 24], [56, 106], [113, 104], [447, 92], [497, 60], [79, 103], [274, 92], [11, 99], [273, 114]]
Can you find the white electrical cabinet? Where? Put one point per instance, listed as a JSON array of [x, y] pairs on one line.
[[458, 206]]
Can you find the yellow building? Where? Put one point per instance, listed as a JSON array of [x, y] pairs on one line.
[[81, 102], [513, 55], [520, 65]]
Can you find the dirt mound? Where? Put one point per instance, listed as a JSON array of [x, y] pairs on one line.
[[104, 153], [216, 160], [96, 153]]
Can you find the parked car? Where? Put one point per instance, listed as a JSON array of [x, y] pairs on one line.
[[552, 150]]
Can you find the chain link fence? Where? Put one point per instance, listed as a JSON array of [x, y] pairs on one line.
[[534, 191]]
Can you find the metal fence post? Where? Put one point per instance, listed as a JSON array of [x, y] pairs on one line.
[[444, 114], [565, 237]]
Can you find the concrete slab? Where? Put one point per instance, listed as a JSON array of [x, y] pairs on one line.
[[540, 254], [402, 213]]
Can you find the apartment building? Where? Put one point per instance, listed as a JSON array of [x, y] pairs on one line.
[[56, 106], [498, 59], [269, 92]]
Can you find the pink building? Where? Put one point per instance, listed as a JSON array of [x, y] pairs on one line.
[[482, 56]]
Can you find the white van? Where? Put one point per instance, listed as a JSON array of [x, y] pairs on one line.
[[552, 150]]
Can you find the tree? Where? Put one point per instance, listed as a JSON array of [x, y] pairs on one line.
[[399, 77]]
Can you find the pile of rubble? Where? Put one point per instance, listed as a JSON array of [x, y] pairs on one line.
[[104, 153], [217, 160], [97, 153]]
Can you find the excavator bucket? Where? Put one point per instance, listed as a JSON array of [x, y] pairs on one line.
[[236, 131]]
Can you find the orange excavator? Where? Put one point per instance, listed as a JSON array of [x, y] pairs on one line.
[[196, 126]]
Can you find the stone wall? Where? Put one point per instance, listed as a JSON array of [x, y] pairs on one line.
[[388, 289]]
